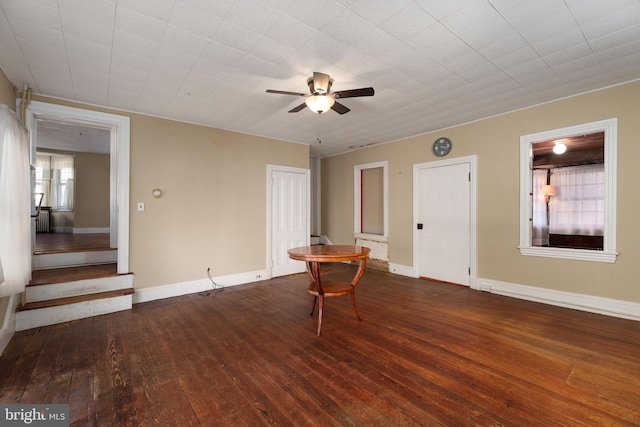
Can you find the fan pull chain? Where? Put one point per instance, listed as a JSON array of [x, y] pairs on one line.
[[319, 138]]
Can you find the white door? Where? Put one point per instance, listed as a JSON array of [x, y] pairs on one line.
[[443, 222], [289, 217]]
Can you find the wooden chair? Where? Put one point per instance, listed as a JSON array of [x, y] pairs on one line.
[[332, 288]]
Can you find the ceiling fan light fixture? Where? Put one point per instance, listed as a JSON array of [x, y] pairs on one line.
[[319, 103]]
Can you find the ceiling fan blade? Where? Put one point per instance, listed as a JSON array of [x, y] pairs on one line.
[[352, 93], [298, 108], [321, 82], [339, 108], [284, 92]]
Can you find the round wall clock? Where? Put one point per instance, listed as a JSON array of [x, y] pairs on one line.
[[442, 146]]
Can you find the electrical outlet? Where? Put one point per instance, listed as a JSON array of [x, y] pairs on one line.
[[140, 206], [485, 288]]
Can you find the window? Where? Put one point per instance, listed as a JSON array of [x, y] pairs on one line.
[[568, 206], [578, 202], [55, 181], [370, 201]]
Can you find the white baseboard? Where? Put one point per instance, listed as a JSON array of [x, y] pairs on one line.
[[194, 286], [593, 304], [94, 230], [402, 270]]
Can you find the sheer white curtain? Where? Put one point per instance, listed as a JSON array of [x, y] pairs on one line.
[[578, 204], [540, 232], [63, 173], [43, 179], [15, 204], [55, 180]]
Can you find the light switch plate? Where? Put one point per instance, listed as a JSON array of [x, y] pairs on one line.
[[140, 206]]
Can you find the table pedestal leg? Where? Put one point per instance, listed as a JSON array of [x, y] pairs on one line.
[[320, 309], [313, 268], [354, 282], [314, 271]]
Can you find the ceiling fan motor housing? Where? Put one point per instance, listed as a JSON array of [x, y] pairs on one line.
[[319, 90]]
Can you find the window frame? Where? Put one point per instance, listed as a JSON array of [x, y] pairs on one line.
[[357, 201], [609, 253]]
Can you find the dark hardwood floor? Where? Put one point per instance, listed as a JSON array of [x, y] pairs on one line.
[[67, 242], [425, 353], [60, 275]]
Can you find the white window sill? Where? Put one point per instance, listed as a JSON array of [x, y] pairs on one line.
[[574, 254]]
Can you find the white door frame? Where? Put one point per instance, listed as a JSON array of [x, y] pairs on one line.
[[119, 163], [472, 161], [270, 171]]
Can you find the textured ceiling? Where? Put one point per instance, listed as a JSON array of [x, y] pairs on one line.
[[433, 63], [53, 134]]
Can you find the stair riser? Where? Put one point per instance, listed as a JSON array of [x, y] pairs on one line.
[[65, 313], [36, 293], [73, 259]]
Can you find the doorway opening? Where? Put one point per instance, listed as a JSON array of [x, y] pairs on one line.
[[61, 126]]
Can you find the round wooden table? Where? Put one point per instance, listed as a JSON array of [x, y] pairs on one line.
[[314, 255]]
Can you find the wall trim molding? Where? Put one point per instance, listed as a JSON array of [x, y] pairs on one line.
[[590, 303], [402, 270], [184, 288]]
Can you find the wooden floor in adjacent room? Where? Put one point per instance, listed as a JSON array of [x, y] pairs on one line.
[[68, 242], [425, 353]]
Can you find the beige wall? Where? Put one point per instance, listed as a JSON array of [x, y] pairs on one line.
[[92, 190], [7, 92], [495, 141], [92, 179], [213, 211]]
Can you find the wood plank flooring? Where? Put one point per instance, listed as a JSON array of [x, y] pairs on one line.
[[66, 274], [425, 353], [67, 242]]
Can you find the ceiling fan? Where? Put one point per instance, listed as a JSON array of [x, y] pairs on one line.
[[321, 99]]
